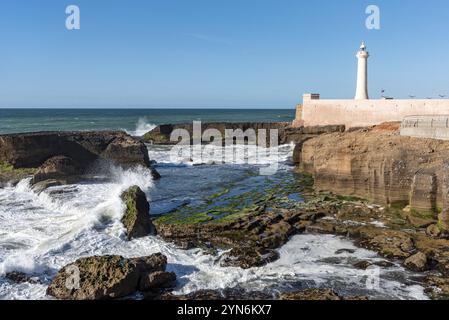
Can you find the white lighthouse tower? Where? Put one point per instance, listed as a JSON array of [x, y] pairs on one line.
[[362, 73]]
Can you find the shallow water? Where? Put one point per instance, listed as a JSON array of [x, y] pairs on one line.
[[40, 233]]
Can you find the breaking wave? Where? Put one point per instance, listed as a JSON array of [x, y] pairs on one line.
[[142, 127]]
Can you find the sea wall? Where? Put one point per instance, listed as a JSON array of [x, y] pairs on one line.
[[380, 165], [364, 113], [434, 127]]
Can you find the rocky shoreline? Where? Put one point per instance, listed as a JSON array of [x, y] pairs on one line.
[[340, 175]]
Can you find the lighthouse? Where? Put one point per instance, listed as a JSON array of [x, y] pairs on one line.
[[362, 74]]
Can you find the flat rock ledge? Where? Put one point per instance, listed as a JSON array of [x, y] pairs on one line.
[[112, 277]]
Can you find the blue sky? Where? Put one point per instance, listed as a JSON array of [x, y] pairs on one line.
[[216, 53]]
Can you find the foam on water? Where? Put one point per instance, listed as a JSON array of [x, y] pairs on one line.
[[142, 127], [40, 233]]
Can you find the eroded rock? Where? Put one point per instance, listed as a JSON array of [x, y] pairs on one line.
[[106, 277], [136, 218], [417, 262]]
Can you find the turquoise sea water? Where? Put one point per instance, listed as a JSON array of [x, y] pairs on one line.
[[132, 120]]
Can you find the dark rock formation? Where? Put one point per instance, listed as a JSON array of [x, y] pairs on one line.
[[62, 156], [110, 277], [55, 171], [286, 134], [136, 219], [20, 277]]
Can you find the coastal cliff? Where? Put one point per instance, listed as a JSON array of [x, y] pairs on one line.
[[380, 165]]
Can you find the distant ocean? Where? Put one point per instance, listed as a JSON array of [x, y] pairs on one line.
[[134, 121]]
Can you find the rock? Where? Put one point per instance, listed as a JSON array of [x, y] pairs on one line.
[[70, 153], [311, 294], [423, 194], [438, 287], [136, 219], [417, 262], [286, 134], [55, 168], [56, 171], [317, 295], [341, 251], [420, 223], [380, 166], [433, 231], [252, 237], [363, 265], [20, 277], [391, 244], [105, 277], [443, 220], [9, 175], [159, 279], [246, 257]]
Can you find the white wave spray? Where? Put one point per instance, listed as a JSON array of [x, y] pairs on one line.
[[142, 127]]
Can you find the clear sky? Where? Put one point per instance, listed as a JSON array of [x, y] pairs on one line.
[[216, 53]]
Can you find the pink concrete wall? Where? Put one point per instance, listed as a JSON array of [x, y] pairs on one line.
[[361, 113]]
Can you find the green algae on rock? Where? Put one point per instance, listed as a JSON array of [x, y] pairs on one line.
[[136, 219]]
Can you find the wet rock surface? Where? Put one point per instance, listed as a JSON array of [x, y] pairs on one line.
[[61, 157], [136, 218], [20, 277], [251, 238], [111, 277]]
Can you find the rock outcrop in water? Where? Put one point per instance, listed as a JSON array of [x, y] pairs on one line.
[[286, 134], [136, 219], [111, 277], [61, 156], [382, 166]]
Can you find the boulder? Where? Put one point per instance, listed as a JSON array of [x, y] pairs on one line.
[[417, 262], [311, 295], [433, 231], [107, 277], [55, 171], [157, 280], [136, 219]]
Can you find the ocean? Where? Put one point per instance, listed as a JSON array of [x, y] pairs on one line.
[[134, 121], [42, 232]]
